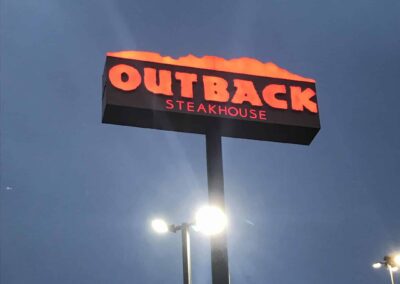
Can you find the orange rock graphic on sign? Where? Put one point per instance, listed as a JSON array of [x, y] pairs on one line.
[[242, 65]]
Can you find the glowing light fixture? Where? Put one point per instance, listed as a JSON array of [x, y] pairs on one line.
[[391, 262], [396, 260], [159, 226], [211, 220]]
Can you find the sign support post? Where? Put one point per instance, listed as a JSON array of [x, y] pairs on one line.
[[215, 176]]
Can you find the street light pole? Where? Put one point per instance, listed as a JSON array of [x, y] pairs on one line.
[[187, 267], [391, 274]]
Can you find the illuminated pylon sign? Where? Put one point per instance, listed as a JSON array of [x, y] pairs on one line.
[[241, 97]]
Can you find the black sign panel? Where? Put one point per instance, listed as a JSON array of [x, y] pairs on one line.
[[188, 99]]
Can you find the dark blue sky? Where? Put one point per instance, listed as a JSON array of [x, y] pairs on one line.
[[76, 196]]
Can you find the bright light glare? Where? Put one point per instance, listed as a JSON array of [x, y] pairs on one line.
[[211, 220], [394, 269], [377, 265], [397, 260], [160, 226]]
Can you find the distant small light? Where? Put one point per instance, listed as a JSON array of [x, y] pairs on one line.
[[159, 226], [377, 265]]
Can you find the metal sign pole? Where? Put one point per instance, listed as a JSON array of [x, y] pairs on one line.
[[219, 250]]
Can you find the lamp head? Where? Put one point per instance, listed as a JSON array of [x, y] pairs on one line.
[[159, 226], [396, 259], [393, 260], [377, 265], [210, 220]]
